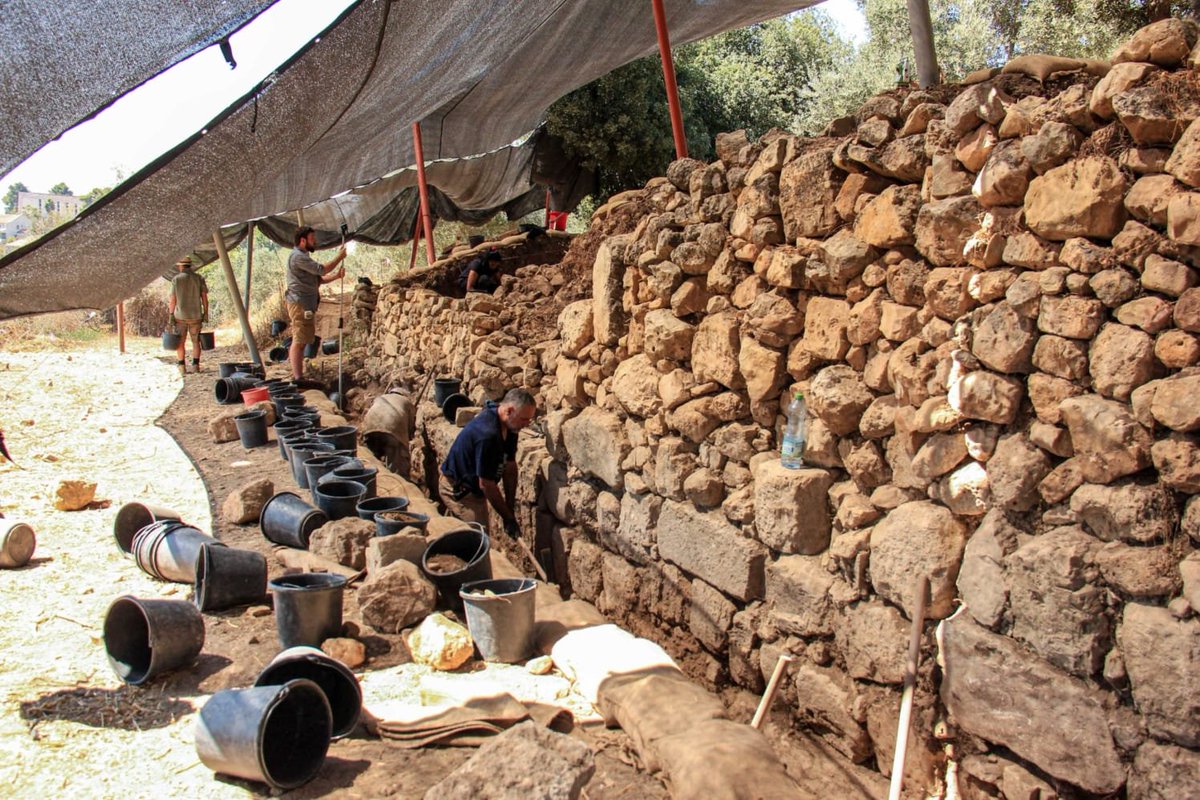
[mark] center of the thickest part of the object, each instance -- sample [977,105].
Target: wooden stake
[121,326]
[910,680]
[764,705]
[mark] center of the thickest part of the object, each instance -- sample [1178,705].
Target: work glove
[512,528]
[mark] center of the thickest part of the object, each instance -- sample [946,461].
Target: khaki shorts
[303,330]
[188,327]
[469,508]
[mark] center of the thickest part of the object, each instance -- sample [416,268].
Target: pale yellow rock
[540,665]
[441,643]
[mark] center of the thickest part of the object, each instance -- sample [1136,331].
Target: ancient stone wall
[989,295]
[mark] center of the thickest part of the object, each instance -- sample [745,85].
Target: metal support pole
[922,33]
[664,50]
[249,262]
[121,326]
[547,223]
[910,680]
[423,189]
[247,334]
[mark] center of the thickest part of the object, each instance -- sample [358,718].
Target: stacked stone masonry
[990,295]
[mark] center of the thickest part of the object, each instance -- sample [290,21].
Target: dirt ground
[68,727]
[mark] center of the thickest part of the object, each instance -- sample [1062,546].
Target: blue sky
[158,115]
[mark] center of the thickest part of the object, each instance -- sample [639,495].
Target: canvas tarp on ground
[338,115]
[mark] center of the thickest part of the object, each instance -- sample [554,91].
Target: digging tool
[768,697]
[910,680]
[341,324]
[536,566]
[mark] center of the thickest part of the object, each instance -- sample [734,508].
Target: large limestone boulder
[839,397]
[945,226]
[1174,404]
[872,637]
[667,336]
[1083,197]
[1109,443]
[245,503]
[1003,339]
[981,583]
[799,597]
[396,597]
[1165,43]
[998,691]
[597,443]
[575,327]
[715,350]
[791,508]
[635,385]
[1131,512]
[890,218]
[825,334]
[808,187]
[1014,471]
[704,544]
[344,541]
[1120,360]
[1160,656]
[917,539]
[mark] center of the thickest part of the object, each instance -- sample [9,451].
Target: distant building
[49,205]
[13,226]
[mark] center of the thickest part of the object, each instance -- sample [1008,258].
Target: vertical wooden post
[249,263]
[416,238]
[664,50]
[922,33]
[247,334]
[121,326]
[547,222]
[423,189]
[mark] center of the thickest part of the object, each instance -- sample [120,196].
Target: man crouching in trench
[483,455]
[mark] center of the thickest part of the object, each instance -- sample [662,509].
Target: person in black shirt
[480,275]
[482,458]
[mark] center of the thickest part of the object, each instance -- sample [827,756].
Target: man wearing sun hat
[304,278]
[188,307]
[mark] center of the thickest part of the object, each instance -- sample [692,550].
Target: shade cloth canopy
[337,115]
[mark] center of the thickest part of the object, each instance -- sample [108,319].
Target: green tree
[10,197]
[95,194]
[60,188]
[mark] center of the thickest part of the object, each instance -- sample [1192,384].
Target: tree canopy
[10,197]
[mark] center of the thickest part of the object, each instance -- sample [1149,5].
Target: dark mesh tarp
[477,76]
[60,62]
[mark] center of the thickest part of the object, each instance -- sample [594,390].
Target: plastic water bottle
[792,452]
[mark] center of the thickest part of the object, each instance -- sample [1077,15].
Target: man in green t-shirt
[188,306]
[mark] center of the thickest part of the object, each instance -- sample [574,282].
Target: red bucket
[256,395]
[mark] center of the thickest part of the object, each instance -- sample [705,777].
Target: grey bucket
[252,428]
[308,607]
[168,550]
[286,440]
[228,577]
[132,517]
[146,637]
[298,453]
[278,735]
[289,520]
[338,683]
[342,437]
[501,624]
[318,465]
[472,546]
[17,543]
[171,340]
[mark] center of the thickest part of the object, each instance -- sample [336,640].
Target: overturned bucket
[132,517]
[278,735]
[145,637]
[440,561]
[335,679]
[288,520]
[168,550]
[17,543]
[501,623]
[308,608]
[228,577]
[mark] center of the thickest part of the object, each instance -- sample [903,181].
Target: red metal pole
[664,49]
[121,326]
[547,208]
[423,188]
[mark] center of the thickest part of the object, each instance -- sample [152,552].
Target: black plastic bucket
[368,506]
[472,546]
[277,354]
[168,550]
[282,388]
[290,438]
[329,347]
[317,466]
[313,348]
[364,475]
[335,679]
[227,577]
[228,391]
[342,437]
[146,637]
[278,326]
[252,428]
[208,340]
[338,499]
[285,401]
[288,520]
[170,340]
[410,519]
[278,735]
[226,368]
[132,517]
[308,608]
[444,387]
[501,623]
[299,453]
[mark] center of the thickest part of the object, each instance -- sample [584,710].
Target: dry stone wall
[989,294]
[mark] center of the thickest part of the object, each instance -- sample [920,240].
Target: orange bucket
[256,395]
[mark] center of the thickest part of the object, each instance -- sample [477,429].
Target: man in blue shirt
[483,456]
[304,278]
